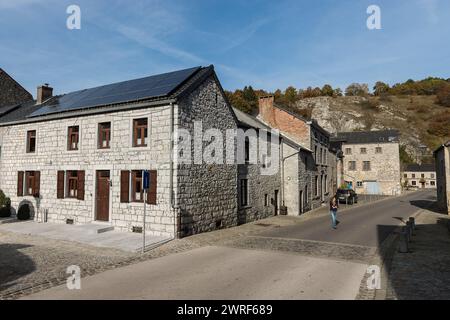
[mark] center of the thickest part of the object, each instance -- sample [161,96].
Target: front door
[301,202]
[102,195]
[276,202]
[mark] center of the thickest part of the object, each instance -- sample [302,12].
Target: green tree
[357,89]
[327,90]
[291,94]
[380,88]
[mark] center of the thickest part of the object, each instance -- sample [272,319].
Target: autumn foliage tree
[443,95]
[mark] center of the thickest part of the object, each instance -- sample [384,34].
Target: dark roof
[381,136]
[154,89]
[426,167]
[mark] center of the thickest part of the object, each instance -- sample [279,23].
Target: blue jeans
[333,218]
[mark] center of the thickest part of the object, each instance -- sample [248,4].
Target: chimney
[44,93]
[266,110]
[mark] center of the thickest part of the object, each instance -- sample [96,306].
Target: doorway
[275,200]
[102,196]
[301,202]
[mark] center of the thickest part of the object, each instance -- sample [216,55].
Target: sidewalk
[424,273]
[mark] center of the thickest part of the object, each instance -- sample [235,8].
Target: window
[352,165]
[320,155]
[140,132]
[244,192]
[348,151]
[266,200]
[359,184]
[414,183]
[422,175]
[73,138]
[413,175]
[32,183]
[315,154]
[316,192]
[325,156]
[31,141]
[405,175]
[432,176]
[137,191]
[432,183]
[326,184]
[247,150]
[72,184]
[366,165]
[104,135]
[378,150]
[363,150]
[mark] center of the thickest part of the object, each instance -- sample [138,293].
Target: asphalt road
[366,225]
[215,272]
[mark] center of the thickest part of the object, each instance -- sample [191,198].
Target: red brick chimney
[266,110]
[44,93]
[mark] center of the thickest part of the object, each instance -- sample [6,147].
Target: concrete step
[95,228]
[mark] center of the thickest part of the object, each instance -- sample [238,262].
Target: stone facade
[207,194]
[442,158]
[11,92]
[382,172]
[204,196]
[420,178]
[313,172]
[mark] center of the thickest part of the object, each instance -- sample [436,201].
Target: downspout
[171,191]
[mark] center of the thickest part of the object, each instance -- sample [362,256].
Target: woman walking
[333,211]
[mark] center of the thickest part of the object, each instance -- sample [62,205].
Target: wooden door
[102,196]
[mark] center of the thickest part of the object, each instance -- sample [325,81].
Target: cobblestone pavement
[423,273]
[29,264]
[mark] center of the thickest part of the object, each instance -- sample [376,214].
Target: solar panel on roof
[138,89]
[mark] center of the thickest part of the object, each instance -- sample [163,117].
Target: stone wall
[442,158]
[11,92]
[207,193]
[385,167]
[52,155]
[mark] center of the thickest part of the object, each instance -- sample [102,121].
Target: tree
[327,90]
[357,89]
[337,92]
[443,95]
[291,94]
[380,88]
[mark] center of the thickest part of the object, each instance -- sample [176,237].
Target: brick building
[316,174]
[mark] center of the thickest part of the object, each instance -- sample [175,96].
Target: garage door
[372,187]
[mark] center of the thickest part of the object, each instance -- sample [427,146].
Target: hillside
[418,118]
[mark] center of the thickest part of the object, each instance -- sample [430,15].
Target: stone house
[442,158]
[317,172]
[371,161]
[79,157]
[422,176]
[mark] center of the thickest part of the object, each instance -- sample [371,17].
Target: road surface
[214,272]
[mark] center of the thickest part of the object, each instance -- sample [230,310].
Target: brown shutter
[60,185]
[20,184]
[80,191]
[37,183]
[124,186]
[151,195]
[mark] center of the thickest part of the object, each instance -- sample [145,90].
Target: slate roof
[157,89]
[420,167]
[360,137]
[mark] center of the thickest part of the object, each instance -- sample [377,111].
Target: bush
[4,200]
[5,212]
[443,96]
[24,212]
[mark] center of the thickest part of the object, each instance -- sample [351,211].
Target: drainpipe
[171,191]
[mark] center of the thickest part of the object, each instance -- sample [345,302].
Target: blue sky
[266,44]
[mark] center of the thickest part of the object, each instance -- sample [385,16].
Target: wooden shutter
[20,184]
[80,191]
[152,192]
[124,186]
[37,183]
[60,185]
